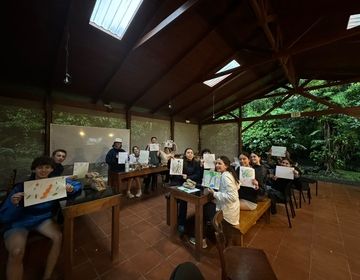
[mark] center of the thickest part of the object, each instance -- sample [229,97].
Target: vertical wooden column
[48,108]
[199,132]
[128,125]
[172,128]
[240,143]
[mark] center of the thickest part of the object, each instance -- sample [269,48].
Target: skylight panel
[231,65]
[354,20]
[114,16]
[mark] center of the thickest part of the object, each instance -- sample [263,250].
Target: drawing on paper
[247,175]
[80,169]
[44,190]
[211,179]
[176,166]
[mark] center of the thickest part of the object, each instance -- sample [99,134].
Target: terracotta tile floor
[324,242]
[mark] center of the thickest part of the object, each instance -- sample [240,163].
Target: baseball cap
[119,140]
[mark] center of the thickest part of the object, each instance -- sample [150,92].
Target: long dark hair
[186,161]
[229,168]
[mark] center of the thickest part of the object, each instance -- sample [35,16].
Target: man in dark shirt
[154,160]
[58,156]
[112,156]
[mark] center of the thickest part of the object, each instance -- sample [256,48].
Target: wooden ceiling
[277,43]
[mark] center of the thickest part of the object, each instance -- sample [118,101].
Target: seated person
[165,156]
[247,195]
[261,174]
[277,191]
[191,170]
[58,156]
[19,220]
[227,198]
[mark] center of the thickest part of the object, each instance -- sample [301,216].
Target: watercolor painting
[44,190]
[176,166]
[211,179]
[247,174]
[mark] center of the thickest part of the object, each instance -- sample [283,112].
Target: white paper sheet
[187,190]
[209,161]
[176,166]
[80,169]
[278,151]
[123,157]
[44,190]
[154,147]
[211,179]
[144,157]
[168,143]
[247,175]
[284,172]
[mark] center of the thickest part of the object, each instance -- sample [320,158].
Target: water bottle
[127,166]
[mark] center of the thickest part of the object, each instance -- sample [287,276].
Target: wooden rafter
[117,68]
[351,111]
[167,21]
[276,105]
[260,10]
[318,99]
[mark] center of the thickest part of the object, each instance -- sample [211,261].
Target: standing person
[134,159]
[58,156]
[227,198]
[154,161]
[192,171]
[247,195]
[18,221]
[113,156]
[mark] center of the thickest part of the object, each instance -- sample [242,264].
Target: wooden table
[116,178]
[87,202]
[199,199]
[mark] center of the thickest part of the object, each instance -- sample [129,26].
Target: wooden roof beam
[276,105]
[167,21]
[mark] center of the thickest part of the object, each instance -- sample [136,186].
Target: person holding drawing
[58,156]
[247,194]
[227,198]
[19,220]
[154,160]
[112,157]
[134,159]
[192,171]
[261,174]
[277,191]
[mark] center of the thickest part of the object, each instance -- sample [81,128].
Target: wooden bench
[249,218]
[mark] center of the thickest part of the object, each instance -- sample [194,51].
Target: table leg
[173,215]
[115,233]
[68,246]
[198,230]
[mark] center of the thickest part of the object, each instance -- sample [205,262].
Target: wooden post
[240,143]
[48,108]
[172,128]
[199,132]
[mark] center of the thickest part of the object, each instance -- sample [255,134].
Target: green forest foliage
[331,141]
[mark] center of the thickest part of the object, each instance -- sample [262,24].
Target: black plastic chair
[186,271]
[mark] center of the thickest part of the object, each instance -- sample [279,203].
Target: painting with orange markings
[44,190]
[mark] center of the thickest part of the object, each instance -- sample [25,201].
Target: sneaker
[138,194]
[130,195]
[181,229]
[193,241]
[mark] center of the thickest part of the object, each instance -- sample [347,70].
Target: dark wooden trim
[172,128]
[48,109]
